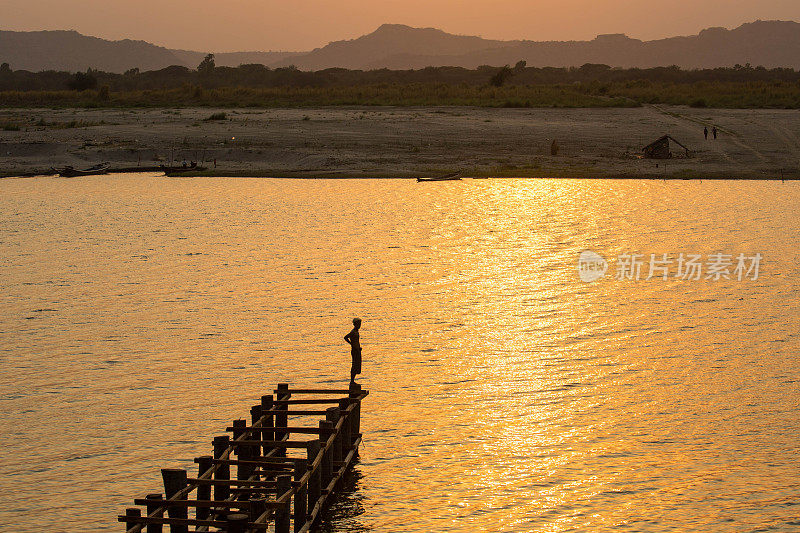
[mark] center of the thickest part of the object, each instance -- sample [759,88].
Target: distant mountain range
[769,44]
[761,43]
[70,50]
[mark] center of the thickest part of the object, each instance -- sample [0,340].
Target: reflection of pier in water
[278,481]
[344,512]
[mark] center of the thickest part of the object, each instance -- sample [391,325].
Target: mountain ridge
[763,43]
[399,47]
[73,51]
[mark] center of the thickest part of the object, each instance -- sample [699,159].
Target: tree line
[210,76]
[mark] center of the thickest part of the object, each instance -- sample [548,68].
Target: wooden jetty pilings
[258,478]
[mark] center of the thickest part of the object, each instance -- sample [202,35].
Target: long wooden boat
[447,177]
[96,170]
[178,171]
[184,166]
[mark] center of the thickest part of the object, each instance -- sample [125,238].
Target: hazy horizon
[302,26]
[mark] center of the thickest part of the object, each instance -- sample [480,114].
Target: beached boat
[185,166]
[177,171]
[170,170]
[95,170]
[447,177]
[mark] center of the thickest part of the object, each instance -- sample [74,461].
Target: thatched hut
[661,149]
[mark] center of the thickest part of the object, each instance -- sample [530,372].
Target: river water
[141,314]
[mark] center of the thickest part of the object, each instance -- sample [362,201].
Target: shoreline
[365,142]
[263,174]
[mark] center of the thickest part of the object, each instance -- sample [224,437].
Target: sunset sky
[305,24]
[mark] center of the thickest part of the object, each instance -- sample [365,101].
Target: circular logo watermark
[591,266]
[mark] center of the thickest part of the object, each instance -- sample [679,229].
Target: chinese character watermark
[692,267]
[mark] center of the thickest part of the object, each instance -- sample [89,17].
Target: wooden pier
[278,483]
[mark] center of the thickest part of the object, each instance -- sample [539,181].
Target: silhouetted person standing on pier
[353,340]
[714,132]
[705,132]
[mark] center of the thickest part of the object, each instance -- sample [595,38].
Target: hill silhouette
[769,44]
[761,43]
[72,51]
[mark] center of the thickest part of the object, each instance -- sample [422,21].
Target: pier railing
[278,481]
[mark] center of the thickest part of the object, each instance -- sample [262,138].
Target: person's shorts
[356,361]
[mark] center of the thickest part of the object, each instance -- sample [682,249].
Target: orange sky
[226,25]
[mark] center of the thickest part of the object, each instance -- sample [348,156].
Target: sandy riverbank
[406,142]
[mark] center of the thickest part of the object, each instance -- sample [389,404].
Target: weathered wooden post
[151,507]
[258,506]
[238,429]
[243,472]
[355,393]
[267,434]
[301,496]
[132,512]
[332,415]
[175,480]
[236,523]
[222,491]
[282,420]
[327,467]
[255,416]
[351,422]
[315,480]
[203,490]
[282,516]
[347,441]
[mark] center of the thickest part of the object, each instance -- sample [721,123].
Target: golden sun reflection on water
[507,395]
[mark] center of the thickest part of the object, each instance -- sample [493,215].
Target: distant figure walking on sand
[714,132]
[353,340]
[705,132]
